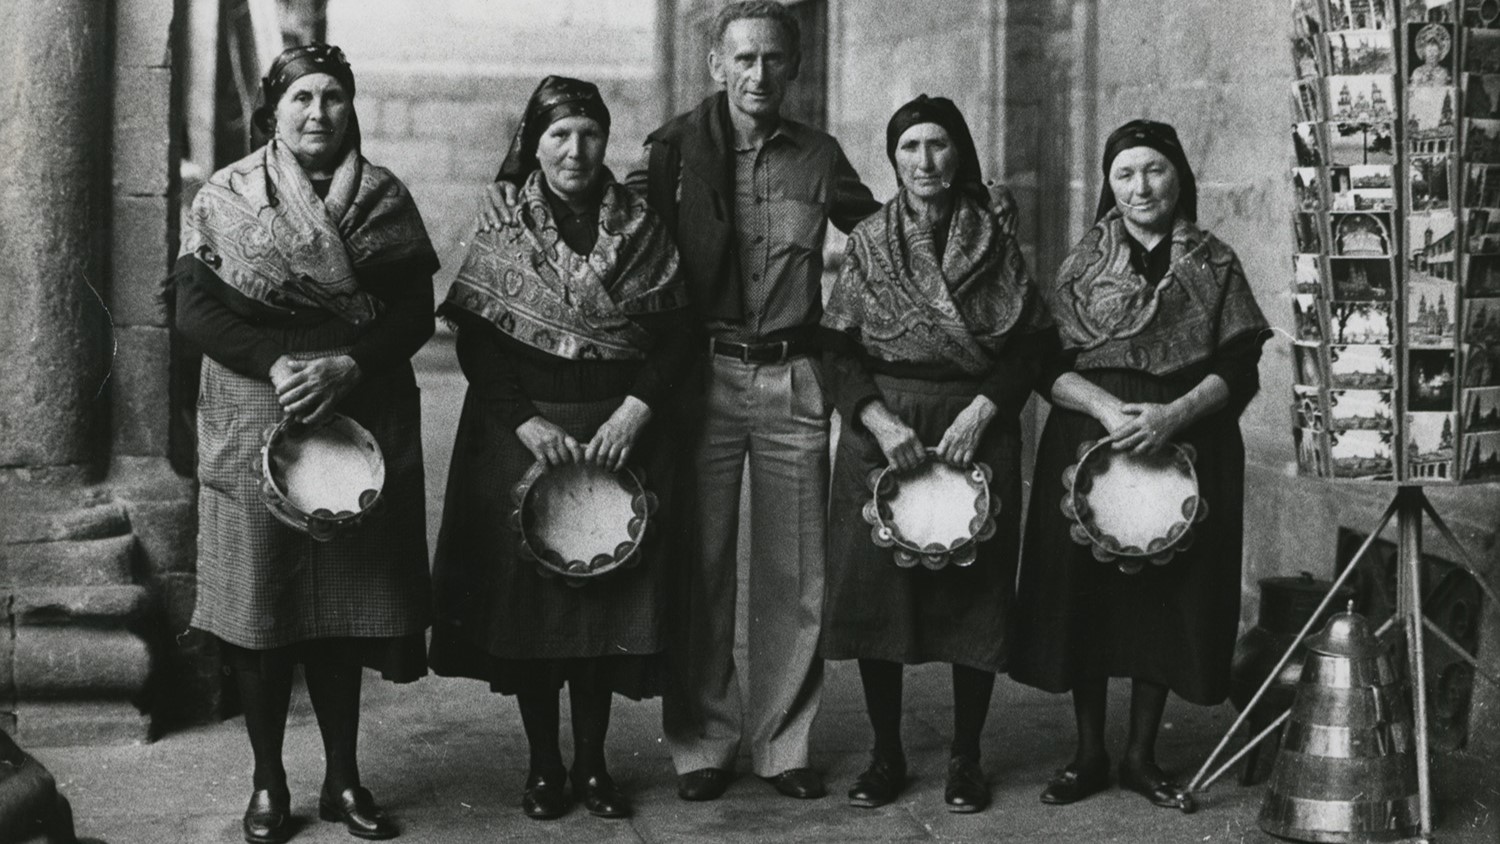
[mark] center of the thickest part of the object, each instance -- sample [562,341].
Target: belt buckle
[786,348]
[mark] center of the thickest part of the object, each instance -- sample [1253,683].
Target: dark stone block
[142,33]
[95,606]
[167,534]
[143,134]
[140,257]
[141,403]
[92,562]
[42,524]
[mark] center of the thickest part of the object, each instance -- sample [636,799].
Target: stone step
[23,524]
[85,562]
[51,662]
[69,724]
[107,606]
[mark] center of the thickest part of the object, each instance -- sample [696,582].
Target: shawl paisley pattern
[262,229]
[527,282]
[1116,320]
[904,302]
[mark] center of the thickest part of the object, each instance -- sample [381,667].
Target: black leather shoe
[546,796]
[267,818]
[601,797]
[1158,789]
[703,784]
[879,784]
[801,783]
[1073,783]
[357,810]
[967,791]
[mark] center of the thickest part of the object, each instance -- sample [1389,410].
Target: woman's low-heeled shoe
[267,819]
[967,791]
[357,810]
[546,795]
[601,797]
[879,784]
[1161,792]
[1073,783]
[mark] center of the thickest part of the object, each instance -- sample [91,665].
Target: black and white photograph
[1430,380]
[1359,323]
[1431,48]
[1361,367]
[678,421]
[1361,235]
[1481,365]
[1361,454]
[1360,99]
[1481,410]
[1430,446]
[1431,312]
[1481,457]
[1361,142]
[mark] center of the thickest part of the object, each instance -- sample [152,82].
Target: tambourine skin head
[555,505]
[914,512]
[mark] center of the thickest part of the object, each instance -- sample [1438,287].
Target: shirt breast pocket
[798,224]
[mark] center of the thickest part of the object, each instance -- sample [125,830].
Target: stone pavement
[447,758]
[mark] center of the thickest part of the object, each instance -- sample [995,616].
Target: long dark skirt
[1175,624]
[263,585]
[874,609]
[498,618]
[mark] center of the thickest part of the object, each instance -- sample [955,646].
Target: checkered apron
[264,585]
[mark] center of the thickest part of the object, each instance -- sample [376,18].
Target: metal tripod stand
[1408,509]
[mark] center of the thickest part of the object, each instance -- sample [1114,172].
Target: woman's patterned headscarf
[557,97]
[1162,138]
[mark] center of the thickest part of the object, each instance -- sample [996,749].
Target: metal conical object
[1347,770]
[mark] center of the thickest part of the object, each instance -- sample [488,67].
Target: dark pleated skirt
[500,620]
[873,609]
[1173,624]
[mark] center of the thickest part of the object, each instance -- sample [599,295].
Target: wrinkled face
[1145,187]
[571,152]
[926,161]
[754,63]
[312,118]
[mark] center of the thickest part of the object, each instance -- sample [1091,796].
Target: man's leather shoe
[357,810]
[1158,789]
[879,784]
[601,797]
[967,791]
[703,784]
[1073,783]
[801,783]
[268,818]
[546,796]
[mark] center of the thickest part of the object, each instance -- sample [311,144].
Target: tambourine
[1133,509]
[579,521]
[935,514]
[321,480]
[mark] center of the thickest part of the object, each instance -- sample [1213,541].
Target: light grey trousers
[776,417]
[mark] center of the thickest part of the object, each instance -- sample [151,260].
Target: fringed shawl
[527,282]
[902,303]
[1116,320]
[262,229]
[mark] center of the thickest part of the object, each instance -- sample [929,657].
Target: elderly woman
[568,334]
[306,279]
[1161,337]
[936,334]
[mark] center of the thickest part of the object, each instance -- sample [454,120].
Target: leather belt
[776,351]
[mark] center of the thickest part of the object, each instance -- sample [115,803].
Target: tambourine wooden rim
[1094,459]
[577,572]
[322,525]
[885,532]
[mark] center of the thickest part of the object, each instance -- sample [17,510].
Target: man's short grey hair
[752,9]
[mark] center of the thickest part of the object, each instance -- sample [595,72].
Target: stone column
[55,336]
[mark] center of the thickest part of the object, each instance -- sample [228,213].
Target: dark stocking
[1089,698]
[590,725]
[539,718]
[334,676]
[882,684]
[264,680]
[1148,701]
[971,704]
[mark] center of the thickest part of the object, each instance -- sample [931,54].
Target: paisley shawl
[902,303]
[1116,320]
[527,282]
[262,229]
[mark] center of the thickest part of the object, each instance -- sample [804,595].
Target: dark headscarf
[293,64]
[943,112]
[557,97]
[1162,138]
